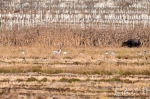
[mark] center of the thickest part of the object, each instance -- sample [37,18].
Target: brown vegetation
[91,61]
[124,4]
[71,37]
[91,74]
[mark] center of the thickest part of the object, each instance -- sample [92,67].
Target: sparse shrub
[67,57]
[43,80]
[69,80]
[31,79]
[88,79]
[53,80]
[58,71]
[127,81]
[36,69]
[77,63]
[119,57]
[5,80]
[114,79]
[19,80]
[110,80]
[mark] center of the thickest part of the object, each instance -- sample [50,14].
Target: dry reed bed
[71,37]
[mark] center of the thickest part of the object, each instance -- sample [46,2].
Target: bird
[80,53]
[106,53]
[112,53]
[57,52]
[144,52]
[23,53]
[139,53]
[64,53]
[144,55]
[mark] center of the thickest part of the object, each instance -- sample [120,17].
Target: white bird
[144,55]
[106,53]
[23,53]
[57,52]
[80,53]
[112,52]
[139,53]
[144,52]
[64,53]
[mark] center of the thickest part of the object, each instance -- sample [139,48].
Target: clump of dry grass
[69,80]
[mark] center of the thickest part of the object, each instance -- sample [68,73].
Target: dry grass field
[92,64]
[77,60]
[82,73]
